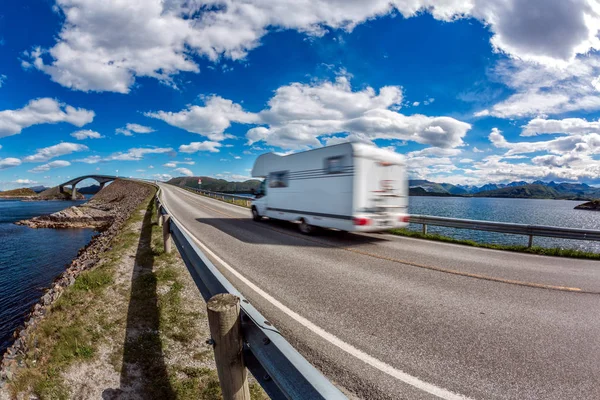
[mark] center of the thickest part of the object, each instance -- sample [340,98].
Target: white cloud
[25,182]
[57,150]
[9,162]
[299,114]
[581,144]
[237,157]
[194,147]
[130,129]
[174,164]
[162,177]
[42,111]
[50,165]
[435,151]
[541,90]
[184,171]
[476,150]
[136,154]
[86,134]
[416,103]
[2,80]
[539,126]
[210,120]
[90,160]
[466,161]
[105,45]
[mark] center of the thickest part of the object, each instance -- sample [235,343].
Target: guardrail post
[159,219]
[530,241]
[226,331]
[167,233]
[424,229]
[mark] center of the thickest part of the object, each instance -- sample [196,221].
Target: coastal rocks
[593,205]
[109,209]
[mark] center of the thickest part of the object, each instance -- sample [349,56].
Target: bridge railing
[277,366]
[530,231]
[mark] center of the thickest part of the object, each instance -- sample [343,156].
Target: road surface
[387,317]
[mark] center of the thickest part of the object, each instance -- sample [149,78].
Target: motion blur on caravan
[349,187]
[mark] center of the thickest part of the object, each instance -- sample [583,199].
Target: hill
[23,192]
[55,194]
[419,191]
[216,185]
[530,191]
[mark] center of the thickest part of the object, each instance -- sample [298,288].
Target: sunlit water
[522,211]
[30,259]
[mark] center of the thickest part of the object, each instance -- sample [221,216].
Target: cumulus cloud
[195,147]
[86,134]
[25,182]
[540,126]
[184,171]
[50,165]
[541,90]
[136,154]
[582,144]
[42,111]
[9,162]
[174,164]
[89,160]
[210,120]
[105,45]
[57,150]
[162,177]
[299,114]
[130,129]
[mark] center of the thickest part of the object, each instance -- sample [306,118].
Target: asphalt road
[418,319]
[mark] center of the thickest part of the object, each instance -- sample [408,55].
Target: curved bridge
[101,179]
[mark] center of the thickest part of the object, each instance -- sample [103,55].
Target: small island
[593,205]
[23,193]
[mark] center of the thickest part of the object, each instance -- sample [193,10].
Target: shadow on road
[143,373]
[272,231]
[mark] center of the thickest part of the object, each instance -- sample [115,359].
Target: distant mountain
[517,189]
[38,189]
[93,189]
[216,185]
[523,191]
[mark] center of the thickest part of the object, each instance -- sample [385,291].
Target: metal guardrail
[222,196]
[277,366]
[504,227]
[490,226]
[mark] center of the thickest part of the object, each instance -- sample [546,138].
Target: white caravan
[350,187]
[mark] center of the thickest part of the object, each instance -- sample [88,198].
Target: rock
[593,205]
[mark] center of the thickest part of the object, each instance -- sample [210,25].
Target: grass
[556,252]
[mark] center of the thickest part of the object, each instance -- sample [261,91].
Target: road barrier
[490,226]
[223,196]
[504,227]
[277,366]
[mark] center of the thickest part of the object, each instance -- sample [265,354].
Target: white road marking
[348,348]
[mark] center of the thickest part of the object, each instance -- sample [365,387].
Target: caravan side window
[333,165]
[278,179]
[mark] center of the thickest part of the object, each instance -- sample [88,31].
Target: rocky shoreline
[107,212]
[593,205]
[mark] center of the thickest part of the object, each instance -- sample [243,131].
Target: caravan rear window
[333,165]
[278,179]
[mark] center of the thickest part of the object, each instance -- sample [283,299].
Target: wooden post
[424,229]
[530,241]
[226,332]
[159,219]
[167,233]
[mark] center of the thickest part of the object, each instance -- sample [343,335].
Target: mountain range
[517,189]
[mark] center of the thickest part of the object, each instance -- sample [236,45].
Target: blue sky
[470,93]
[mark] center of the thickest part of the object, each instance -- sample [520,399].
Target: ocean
[522,211]
[30,259]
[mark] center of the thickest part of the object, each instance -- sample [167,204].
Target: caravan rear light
[361,221]
[405,218]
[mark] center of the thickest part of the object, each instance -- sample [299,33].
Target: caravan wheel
[305,228]
[255,215]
